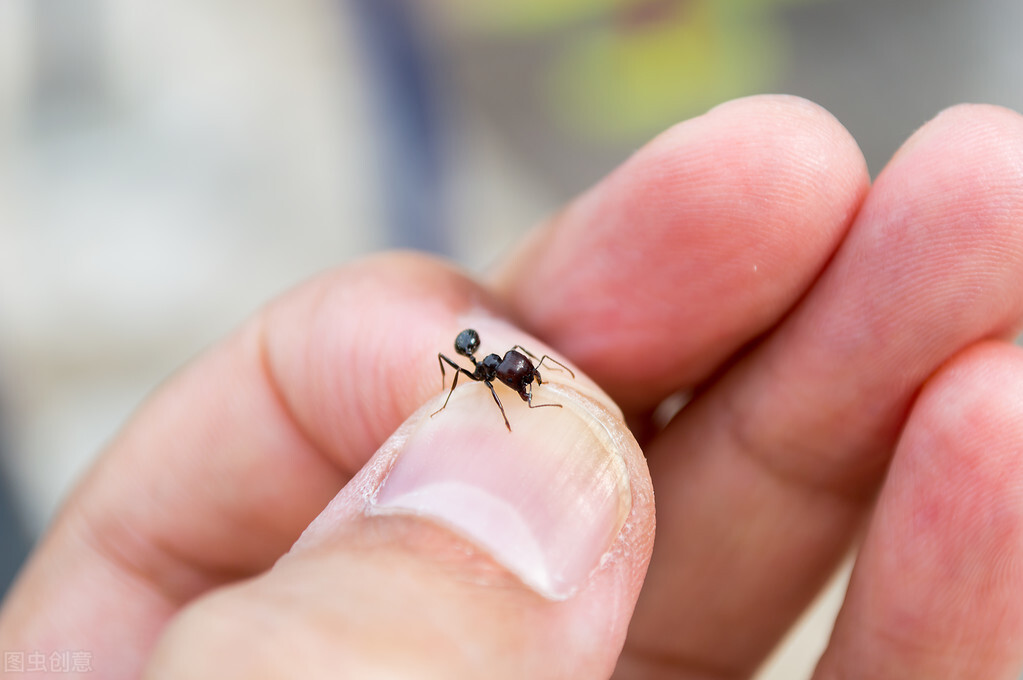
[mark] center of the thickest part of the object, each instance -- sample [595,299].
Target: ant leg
[555,361]
[454,384]
[545,357]
[525,351]
[499,405]
[441,364]
[529,400]
[440,361]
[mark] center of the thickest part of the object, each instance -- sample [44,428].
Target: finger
[937,591]
[462,550]
[696,245]
[219,473]
[763,479]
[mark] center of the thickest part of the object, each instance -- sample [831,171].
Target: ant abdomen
[515,370]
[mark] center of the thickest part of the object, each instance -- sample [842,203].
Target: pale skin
[849,347]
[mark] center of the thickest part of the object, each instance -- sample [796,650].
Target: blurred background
[165,167]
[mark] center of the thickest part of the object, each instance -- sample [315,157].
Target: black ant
[514,370]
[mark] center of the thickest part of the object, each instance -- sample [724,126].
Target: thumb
[461,550]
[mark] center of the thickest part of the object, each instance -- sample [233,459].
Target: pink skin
[824,325]
[936,590]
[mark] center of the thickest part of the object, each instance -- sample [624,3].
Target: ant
[514,370]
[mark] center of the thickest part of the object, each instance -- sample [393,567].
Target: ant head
[467,342]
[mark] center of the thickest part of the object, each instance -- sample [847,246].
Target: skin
[847,349]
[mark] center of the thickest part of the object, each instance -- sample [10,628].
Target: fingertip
[782,147]
[983,381]
[977,127]
[554,520]
[961,449]
[789,124]
[997,119]
[696,244]
[936,589]
[958,461]
[555,499]
[961,171]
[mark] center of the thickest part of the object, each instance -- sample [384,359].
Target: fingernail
[545,500]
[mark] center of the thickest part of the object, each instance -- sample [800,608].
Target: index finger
[698,244]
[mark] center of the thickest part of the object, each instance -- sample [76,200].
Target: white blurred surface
[209,166]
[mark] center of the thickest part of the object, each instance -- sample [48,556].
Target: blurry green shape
[624,82]
[623,69]
[531,16]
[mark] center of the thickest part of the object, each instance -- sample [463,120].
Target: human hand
[846,347]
